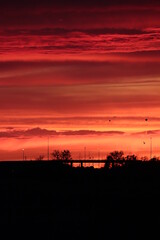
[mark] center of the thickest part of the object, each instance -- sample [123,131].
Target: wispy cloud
[147,132]
[38,132]
[51,73]
[72,42]
[41,132]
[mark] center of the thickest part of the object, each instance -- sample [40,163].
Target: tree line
[112,156]
[64,155]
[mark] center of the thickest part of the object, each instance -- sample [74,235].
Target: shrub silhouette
[144,158]
[131,158]
[154,159]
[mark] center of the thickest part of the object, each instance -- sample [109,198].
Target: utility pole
[150,147]
[23,154]
[48,148]
[84,153]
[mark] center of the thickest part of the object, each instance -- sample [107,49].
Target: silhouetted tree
[66,155]
[154,159]
[131,157]
[56,155]
[61,155]
[113,156]
[116,155]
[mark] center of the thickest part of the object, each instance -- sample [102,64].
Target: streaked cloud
[38,132]
[48,43]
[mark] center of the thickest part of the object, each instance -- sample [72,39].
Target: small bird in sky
[146,119]
[144,142]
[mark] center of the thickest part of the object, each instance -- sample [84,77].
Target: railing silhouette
[82,162]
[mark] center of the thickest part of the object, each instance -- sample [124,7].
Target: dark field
[48,200]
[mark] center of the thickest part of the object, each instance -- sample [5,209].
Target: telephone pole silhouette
[150,147]
[84,153]
[48,148]
[23,154]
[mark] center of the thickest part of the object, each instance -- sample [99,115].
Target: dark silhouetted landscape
[52,200]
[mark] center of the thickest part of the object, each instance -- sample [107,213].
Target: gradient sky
[85,74]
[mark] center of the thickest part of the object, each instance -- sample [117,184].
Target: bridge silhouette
[82,162]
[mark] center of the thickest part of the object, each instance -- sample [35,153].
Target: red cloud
[38,132]
[90,42]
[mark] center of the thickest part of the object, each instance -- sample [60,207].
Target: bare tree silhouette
[56,155]
[66,155]
[116,155]
[61,155]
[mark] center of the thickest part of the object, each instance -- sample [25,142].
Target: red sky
[66,69]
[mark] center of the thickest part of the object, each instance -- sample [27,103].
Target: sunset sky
[82,74]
